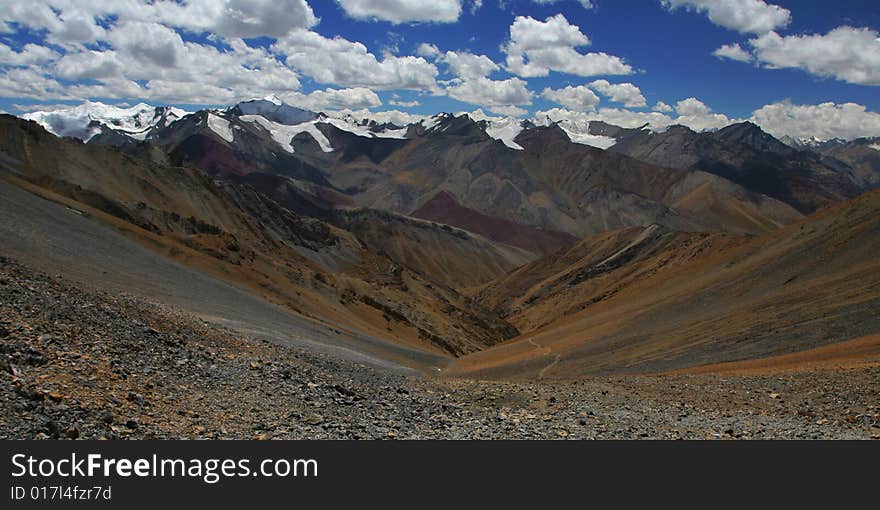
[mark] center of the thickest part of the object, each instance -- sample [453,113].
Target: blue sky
[672,51]
[792,58]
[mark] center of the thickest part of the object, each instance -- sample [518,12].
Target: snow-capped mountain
[810,142]
[505,129]
[283,122]
[275,110]
[90,119]
[578,132]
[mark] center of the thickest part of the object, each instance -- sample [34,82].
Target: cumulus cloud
[823,121]
[427,50]
[733,52]
[75,21]
[493,93]
[698,116]
[537,47]
[350,64]
[468,66]
[846,53]
[578,98]
[358,98]
[134,49]
[30,54]
[662,107]
[404,104]
[167,68]
[744,16]
[403,11]
[626,93]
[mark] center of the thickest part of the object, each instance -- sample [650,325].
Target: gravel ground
[84,364]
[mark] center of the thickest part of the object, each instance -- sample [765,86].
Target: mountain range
[509,247]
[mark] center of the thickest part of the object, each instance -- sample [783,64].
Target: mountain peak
[750,134]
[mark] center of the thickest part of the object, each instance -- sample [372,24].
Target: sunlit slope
[685,300]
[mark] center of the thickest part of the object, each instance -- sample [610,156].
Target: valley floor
[82,363]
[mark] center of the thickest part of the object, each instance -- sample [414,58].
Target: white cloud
[32,84]
[90,65]
[349,64]
[492,93]
[358,98]
[626,93]
[74,21]
[744,16]
[846,53]
[404,104]
[148,44]
[733,52]
[467,65]
[578,98]
[253,18]
[403,11]
[30,54]
[662,107]
[696,115]
[427,50]
[537,47]
[173,70]
[824,121]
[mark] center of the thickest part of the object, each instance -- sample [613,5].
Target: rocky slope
[312,267]
[110,365]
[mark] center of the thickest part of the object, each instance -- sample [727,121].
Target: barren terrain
[86,364]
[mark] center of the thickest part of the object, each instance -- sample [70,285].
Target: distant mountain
[91,120]
[745,154]
[861,155]
[275,110]
[543,177]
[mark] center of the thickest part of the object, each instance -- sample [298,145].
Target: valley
[455,277]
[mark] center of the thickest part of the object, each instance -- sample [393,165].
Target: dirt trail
[545,351]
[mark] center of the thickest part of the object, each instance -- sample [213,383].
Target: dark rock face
[444,208]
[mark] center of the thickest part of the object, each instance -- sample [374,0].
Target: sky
[801,68]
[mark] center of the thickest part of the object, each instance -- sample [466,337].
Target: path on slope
[59,240]
[545,351]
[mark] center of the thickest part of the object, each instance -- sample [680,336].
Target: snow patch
[220,126]
[283,134]
[505,129]
[579,132]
